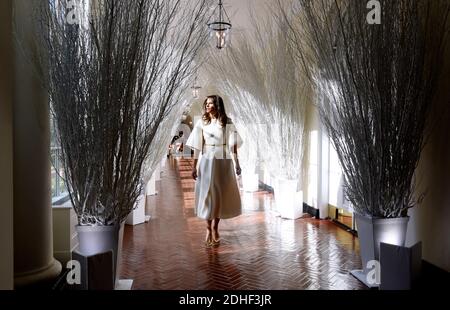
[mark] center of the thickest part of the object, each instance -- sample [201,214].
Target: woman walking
[217,196]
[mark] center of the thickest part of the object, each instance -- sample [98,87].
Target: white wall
[430,222]
[310,191]
[6,160]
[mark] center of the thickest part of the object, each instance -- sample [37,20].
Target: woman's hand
[238,170]
[236,161]
[194,168]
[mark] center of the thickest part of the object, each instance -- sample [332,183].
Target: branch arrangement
[116,85]
[378,82]
[259,74]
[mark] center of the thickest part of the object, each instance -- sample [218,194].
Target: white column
[33,243]
[323,172]
[6,148]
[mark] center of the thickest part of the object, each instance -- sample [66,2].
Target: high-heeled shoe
[215,238]
[208,239]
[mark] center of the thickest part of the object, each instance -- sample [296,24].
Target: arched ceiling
[239,13]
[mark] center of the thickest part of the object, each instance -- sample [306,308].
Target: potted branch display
[116,73]
[379,82]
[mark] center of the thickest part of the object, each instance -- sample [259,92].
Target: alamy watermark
[77,13]
[373,277]
[74,11]
[74,275]
[374,15]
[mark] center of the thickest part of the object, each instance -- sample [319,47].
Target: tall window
[313,171]
[334,166]
[74,12]
[334,173]
[59,188]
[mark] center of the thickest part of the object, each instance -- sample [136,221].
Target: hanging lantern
[220,29]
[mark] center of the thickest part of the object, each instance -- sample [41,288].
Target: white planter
[249,202]
[267,178]
[158,173]
[150,189]
[373,231]
[137,216]
[288,200]
[250,182]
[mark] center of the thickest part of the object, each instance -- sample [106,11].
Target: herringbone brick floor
[259,251]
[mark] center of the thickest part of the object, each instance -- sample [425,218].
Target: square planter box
[96,271]
[400,266]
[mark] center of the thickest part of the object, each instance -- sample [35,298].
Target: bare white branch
[379,82]
[258,72]
[117,83]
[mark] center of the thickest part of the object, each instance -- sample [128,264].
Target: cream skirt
[216,191]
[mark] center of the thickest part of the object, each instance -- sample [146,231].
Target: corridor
[259,251]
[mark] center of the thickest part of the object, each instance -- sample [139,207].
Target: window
[313,171]
[59,188]
[334,176]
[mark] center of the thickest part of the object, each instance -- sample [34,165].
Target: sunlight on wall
[334,174]
[313,169]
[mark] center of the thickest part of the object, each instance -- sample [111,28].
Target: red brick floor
[258,251]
